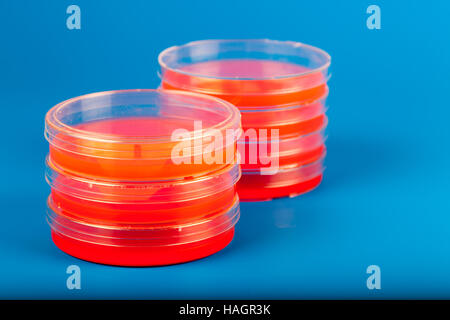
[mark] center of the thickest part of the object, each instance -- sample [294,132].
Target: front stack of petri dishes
[280,88]
[125,186]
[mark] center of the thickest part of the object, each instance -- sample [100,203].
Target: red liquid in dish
[250,188]
[136,256]
[280,85]
[130,160]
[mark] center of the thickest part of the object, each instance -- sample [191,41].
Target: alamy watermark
[73,282]
[374,280]
[374,20]
[212,146]
[74,20]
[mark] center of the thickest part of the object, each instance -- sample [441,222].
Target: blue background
[385,197]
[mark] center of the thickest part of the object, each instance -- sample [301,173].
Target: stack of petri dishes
[280,87]
[122,194]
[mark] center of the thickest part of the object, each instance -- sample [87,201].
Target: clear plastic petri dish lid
[142,134]
[248,73]
[144,235]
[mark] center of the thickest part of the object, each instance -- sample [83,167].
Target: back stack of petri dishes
[280,88]
[122,193]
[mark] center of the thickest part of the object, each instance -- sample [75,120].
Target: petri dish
[133,134]
[144,245]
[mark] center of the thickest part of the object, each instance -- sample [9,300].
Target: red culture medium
[117,194]
[278,85]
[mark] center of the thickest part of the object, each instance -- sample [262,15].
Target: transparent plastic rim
[54,126]
[322,127]
[184,189]
[159,235]
[302,143]
[309,170]
[285,107]
[167,53]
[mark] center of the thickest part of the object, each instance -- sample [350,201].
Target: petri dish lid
[244,67]
[82,117]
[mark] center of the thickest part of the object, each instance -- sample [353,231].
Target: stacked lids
[280,87]
[142,177]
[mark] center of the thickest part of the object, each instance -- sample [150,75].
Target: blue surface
[385,197]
